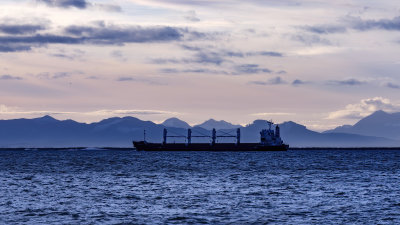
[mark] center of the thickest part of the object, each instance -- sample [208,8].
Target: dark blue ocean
[128,187]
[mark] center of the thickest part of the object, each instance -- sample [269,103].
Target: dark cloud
[98,35]
[120,35]
[348,82]
[198,58]
[392,85]
[40,39]
[9,77]
[250,69]
[298,82]
[355,23]
[5,47]
[383,24]
[207,56]
[80,4]
[20,29]
[272,81]
[273,54]
[325,29]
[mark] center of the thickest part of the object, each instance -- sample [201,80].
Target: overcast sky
[318,63]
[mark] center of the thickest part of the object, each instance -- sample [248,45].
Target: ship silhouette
[270,140]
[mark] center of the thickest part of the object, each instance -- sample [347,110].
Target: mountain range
[380,129]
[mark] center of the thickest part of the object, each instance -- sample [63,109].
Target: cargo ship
[270,140]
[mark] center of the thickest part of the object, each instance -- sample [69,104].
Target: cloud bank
[364,108]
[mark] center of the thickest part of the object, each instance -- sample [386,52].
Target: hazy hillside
[119,132]
[379,124]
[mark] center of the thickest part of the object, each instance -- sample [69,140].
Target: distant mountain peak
[175,122]
[378,124]
[379,112]
[46,118]
[221,124]
[292,125]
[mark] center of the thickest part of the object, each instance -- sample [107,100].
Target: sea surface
[129,187]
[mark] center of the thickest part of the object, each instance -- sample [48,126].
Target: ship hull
[243,147]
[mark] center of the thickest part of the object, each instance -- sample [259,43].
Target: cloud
[140,80]
[310,39]
[265,53]
[20,29]
[14,48]
[242,69]
[107,7]
[195,70]
[120,35]
[206,58]
[125,79]
[325,29]
[220,57]
[75,54]
[169,70]
[246,54]
[272,81]
[198,58]
[364,108]
[92,78]
[348,82]
[8,110]
[231,53]
[392,85]
[119,56]
[250,69]
[98,35]
[191,16]
[124,112]
[298,82]
[355,23]
[281,72]
[9,77]
[80,4]
[56,75]
[382,24]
